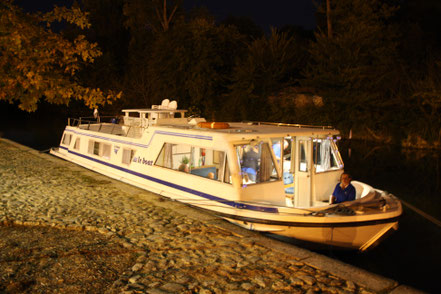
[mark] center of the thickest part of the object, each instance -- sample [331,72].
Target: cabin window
[99,149]
[282,152]
[66,139]
[303,161]
[326,155]
[227,174]
[256,163]
[90,147]
[96,148]
[127,155]
[203,162]
[93,147]
[106,151]
[276,144]
[77,144]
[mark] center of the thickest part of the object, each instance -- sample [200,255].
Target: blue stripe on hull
[178,187]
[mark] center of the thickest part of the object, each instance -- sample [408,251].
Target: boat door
[303,171]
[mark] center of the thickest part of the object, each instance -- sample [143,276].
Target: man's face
[345,179]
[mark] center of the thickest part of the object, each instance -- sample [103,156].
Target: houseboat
[268,177]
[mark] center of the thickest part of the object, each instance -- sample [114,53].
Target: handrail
[87,122]
[291,125]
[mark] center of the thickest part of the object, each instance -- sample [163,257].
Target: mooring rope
[422,213]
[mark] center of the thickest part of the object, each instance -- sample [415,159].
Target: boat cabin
[309,166]
[275,164]
[165,113]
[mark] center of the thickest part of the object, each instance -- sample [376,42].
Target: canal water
[411,256]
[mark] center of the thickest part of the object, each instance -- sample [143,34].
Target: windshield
[326,155]
[256,163]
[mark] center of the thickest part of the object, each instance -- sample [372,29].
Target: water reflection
[412,175]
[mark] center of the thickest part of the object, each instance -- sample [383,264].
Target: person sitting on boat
[344,191]
[250,162]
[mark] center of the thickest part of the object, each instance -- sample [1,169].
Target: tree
[356,71]
[266,68]
[245,25]
[38,63]
[154,15]
[192,62]
[427,95]
[420,49]
[328,18]
[147,22]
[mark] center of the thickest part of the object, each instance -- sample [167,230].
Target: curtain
[266,166]
[325,154]
[168,158]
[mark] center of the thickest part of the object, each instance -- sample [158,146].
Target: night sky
[276,13]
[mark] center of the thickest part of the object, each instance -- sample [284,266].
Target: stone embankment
[180,249]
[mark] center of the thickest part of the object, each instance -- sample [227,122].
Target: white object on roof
[173,105]
[164,104]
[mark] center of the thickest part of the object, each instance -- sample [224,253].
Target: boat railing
[290,125]
[90,120]
[106,124]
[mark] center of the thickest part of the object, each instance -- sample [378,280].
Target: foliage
[356,70]
[191,63]
[266,67]
[154,15]
[146,22]
[297,105]
[37,63]
[185,160]
[427,93]
[246,26]
[380,71]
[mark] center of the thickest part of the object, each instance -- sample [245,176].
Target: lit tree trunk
[164,19]
[328,18]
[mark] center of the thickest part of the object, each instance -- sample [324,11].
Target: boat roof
[251,129]
[153,110]
[236,129]
[279,128]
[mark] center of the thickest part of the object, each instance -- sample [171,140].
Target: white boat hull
[358,232]
[355,236]
[135,154]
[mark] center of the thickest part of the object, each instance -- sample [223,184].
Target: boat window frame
[99,148]
[64,139]
[219,164]
[247,181]
[77,143]
[106,150]
[132,155]
[96,148]
[334,152]
[303,161]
